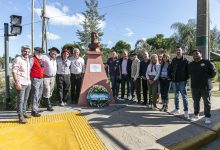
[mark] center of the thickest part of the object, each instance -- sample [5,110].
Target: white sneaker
[175,112]
[65,103]
[207,120]
[195,118]
[61,104]
[186,114]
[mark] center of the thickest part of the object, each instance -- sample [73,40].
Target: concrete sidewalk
[128,125]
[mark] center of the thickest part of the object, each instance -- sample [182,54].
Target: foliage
[71,46]
[214,39]
[91,23]
[185,34]
[158,42]
[140,47]
[105,53]
[217,65]
[98,89]
[121,45]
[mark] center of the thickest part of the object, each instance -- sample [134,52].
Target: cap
[38,49]
[196,50]
[25,47]
[54,48]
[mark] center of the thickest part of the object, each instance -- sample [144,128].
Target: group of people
[156,74]
[39,73]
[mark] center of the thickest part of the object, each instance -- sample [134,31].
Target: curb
[197,141]
[194,142]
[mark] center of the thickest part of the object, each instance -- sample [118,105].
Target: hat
[196,50]
[54,48]
[65,50]
[133,53]
[25,47]
[38,49]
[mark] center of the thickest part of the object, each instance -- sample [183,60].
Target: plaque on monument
[95,68]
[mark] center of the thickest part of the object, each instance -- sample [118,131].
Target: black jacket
[143,67]
[178,70]
[201,73]
[129,63]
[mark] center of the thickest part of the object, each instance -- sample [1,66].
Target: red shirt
[37,71]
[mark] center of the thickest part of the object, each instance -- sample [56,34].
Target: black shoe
[35,114]
[143,103]
[166,108]
[50,109]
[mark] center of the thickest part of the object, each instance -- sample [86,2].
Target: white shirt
[50,65]
[21,67]
[77,66]
[153,70]
[63,66]
[124,66]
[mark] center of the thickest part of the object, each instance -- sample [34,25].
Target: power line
[117,4]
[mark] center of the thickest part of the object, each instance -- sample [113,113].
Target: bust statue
[94,45]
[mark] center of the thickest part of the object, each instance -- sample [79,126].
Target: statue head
[94,37]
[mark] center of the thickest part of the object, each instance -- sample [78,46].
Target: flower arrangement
[98,96]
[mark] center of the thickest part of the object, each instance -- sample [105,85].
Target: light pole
[202,34]
[16,29]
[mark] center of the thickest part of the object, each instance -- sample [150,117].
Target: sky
[128,20]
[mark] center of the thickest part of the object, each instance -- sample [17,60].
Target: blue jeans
[125,80]
[180,87]
[23,95]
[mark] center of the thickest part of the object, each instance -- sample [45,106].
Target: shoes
[35,114]
[26,115]
[22,120]
[50,109]
[163,107]
[65,103]
[195,118]
[154,107]
[143,103]
[175,112]
[62,104]
[207,120]
[186,115]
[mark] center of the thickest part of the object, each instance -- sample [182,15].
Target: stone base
[94,78]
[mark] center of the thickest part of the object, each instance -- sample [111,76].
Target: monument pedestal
[94,75]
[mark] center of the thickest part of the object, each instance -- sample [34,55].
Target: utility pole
[7,77]
[32,28]
[202,34]
[44,26]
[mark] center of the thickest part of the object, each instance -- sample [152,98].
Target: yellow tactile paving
[67,131]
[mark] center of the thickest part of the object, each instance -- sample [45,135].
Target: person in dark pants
[164,81]
[125,66]
[77,70]
[201,71]
[63,76]
[143,69]
[114,73]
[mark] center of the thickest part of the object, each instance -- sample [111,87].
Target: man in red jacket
[36,74]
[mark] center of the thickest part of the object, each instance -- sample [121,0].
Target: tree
[121,45]
[185,34]
[91,23]
[214,39]
[140,47]
[159,41]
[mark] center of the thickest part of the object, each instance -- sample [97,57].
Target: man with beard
[21,75]
[201,71]
[37,75]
